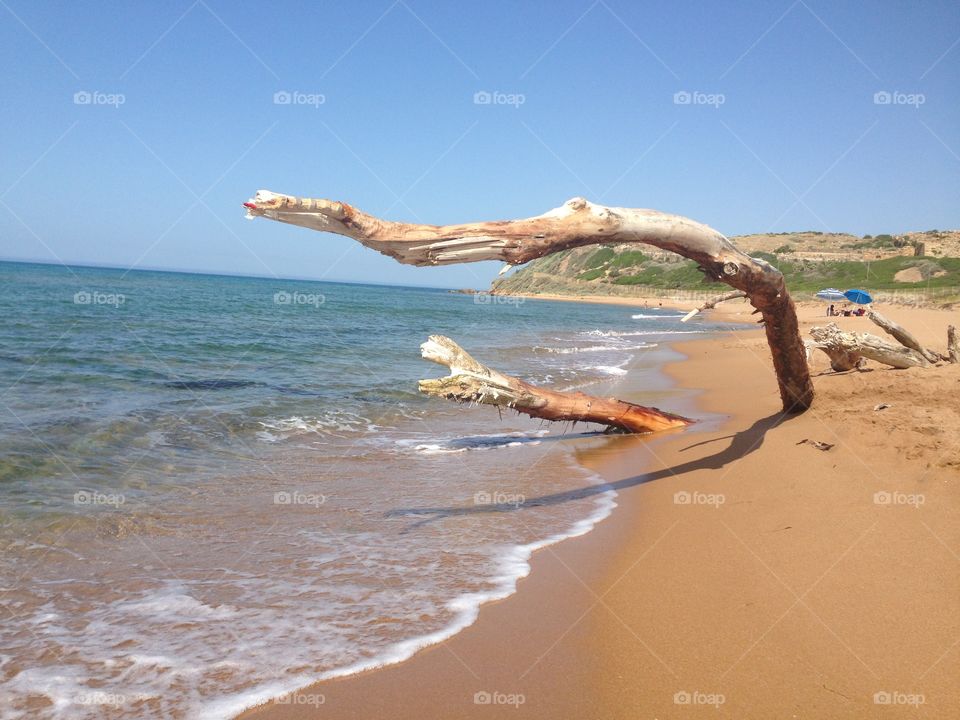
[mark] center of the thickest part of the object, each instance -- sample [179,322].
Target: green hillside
[624,270]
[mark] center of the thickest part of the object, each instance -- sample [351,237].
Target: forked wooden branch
[575,224]
[470,381]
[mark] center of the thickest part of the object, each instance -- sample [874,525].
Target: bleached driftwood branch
[711,304]
[732,295]
[470,381]
[903,336]
[841,358]
[575,224]
[845,349]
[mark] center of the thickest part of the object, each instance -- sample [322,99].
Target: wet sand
[745,573]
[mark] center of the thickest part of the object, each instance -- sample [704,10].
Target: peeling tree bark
[575,224]
[473,382]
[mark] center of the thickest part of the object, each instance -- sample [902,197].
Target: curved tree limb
[575,224]
[903,336]
[471,381]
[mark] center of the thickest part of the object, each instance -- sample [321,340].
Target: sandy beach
[639,301]
[687,300]
[745,573]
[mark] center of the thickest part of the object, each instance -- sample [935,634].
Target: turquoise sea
[214,490]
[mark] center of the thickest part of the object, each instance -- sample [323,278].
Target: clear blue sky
[799,141]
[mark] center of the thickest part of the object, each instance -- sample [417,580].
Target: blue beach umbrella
[831,295]
[860,297]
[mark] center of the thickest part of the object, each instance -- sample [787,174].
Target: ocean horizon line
[218,273]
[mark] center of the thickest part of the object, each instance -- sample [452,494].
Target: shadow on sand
[741,444]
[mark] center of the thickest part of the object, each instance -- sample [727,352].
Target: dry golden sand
[643,302]
[786,587]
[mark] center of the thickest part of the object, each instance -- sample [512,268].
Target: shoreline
[303,703]
[689,299]
[632,615]
[408,648]
[647,302]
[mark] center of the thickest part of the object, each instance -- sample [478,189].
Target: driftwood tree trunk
[953,347]
[842,358]
[845,349]
[471,381]
[575,224]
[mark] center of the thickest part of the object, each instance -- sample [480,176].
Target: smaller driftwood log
[903,336]
[470,381]
[846,348]
[953,347]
